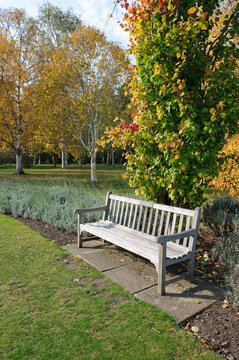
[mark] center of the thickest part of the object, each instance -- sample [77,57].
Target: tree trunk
[108,158]
[63,160]
[39,159]
[54,160]
[34,160]
[19,170]
[93,167]
[113,158]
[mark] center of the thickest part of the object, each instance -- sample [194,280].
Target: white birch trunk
[93,167]
[63,160]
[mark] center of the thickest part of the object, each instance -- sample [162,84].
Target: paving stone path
[183,299]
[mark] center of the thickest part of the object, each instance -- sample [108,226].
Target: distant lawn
[56,307]
[109,177]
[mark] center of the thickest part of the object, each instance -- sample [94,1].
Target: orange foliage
[228,179]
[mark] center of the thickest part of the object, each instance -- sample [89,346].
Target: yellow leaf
[202,26]
[197,302]
[225,306]
[192,10]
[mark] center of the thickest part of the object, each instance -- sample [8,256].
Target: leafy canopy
[185,90]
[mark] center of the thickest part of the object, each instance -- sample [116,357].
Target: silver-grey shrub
[222,217]
[49,202]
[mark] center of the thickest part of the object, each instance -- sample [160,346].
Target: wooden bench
[163,234]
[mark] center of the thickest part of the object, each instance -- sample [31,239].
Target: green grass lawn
[109,177]
[47,315]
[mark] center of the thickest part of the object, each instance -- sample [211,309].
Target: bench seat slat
[142,244]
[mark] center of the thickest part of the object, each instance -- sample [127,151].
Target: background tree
[21,54]
[56,24]
[81,87]
[186,92]
[96,87]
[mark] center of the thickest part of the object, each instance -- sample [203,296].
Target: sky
[91,12]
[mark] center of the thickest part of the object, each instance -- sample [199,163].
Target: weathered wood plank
[126,213]
[161,223]
[149,220]
[110,210]
[135,216]
[107,205]
[139,218]
[180,226]
[166,229]
[130,215]
[113,215]
[172,230]
[155,222]
[145,217]
[122,213]
[161,207]
[185,240]
[117,213]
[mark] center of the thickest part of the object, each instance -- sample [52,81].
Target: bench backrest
[151,218]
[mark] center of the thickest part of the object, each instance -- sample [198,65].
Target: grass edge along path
[55,307]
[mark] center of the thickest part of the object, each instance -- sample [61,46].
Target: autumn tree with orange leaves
[20,68]
[79,90]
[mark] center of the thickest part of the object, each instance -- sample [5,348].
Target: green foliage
[222,217]
[186,93]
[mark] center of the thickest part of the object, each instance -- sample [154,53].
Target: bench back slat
[161,223]
[150,218]
[135,216]
[122,212]
[155,222]
[185,240]
[130,215]
[126,213]
[140,216]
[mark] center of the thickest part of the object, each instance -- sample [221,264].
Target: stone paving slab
[101,257]
[182,300]
[134,277]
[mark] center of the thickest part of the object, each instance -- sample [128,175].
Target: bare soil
[217,326]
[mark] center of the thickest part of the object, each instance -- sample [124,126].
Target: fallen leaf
[197,302]
[225,306]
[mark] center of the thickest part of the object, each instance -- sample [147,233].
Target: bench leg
[162,269]
[79,236]
[191,265]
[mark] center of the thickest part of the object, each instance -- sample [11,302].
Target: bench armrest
[165,238]
[81,211]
